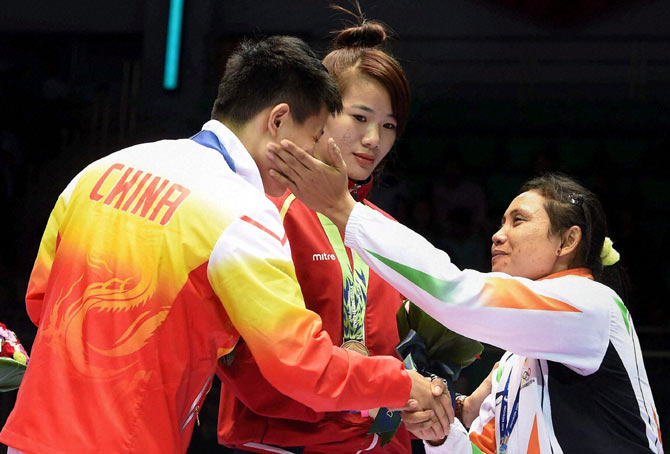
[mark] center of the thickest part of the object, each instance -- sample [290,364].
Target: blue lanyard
[208,139]
[505,426]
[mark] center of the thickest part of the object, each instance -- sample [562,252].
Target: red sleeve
[244,379]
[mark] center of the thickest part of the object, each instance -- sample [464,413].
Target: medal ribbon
[354,284]
[506,427]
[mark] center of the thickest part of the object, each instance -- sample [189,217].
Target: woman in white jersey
[572,379]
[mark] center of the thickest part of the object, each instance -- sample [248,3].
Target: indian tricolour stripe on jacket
[573,355]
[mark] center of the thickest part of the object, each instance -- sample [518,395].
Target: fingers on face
[295,155]
[283,168]
[336,156]
[282,179]
[282,157]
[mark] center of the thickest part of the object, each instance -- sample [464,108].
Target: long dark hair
[569,203]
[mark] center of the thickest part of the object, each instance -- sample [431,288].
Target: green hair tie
[608,255]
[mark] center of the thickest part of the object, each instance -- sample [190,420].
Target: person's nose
[499,237]
[371,137]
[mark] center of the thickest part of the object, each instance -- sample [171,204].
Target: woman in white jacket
[572,379]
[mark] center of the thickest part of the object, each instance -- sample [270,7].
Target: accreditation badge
[356,346]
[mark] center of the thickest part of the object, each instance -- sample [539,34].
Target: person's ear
[570,240]
[278,115]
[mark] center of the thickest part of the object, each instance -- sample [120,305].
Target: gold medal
[356,346]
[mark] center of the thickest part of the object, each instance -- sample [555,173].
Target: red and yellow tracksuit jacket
[154,262]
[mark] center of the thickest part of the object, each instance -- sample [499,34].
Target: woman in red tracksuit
[357,307]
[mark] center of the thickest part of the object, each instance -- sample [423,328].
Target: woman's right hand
[323,187]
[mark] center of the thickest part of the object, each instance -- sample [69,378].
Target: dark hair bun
[368,34]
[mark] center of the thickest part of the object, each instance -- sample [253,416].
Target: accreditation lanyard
[354,284]
[506,426]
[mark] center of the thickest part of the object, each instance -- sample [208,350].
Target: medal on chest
[354,290]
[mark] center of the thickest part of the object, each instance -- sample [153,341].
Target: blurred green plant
[11,373]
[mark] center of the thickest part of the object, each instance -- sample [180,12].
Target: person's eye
[360,118]
[518,220]
[389,126]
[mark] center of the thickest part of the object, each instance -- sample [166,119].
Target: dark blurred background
[502,90]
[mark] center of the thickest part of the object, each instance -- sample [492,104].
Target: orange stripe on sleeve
[511,294]
[658,427]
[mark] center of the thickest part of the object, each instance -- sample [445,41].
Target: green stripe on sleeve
[624,312]
[436,287]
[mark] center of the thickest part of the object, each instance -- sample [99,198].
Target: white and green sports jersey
[572,379]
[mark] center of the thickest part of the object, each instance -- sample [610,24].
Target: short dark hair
[569,203]
[270,71]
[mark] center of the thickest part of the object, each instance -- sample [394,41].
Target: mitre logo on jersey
[323,256]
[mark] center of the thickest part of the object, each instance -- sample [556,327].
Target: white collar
[245,166]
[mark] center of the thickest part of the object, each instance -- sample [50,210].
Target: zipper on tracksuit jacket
[195,406]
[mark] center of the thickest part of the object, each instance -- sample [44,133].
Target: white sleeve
[457,442]
[565,319]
